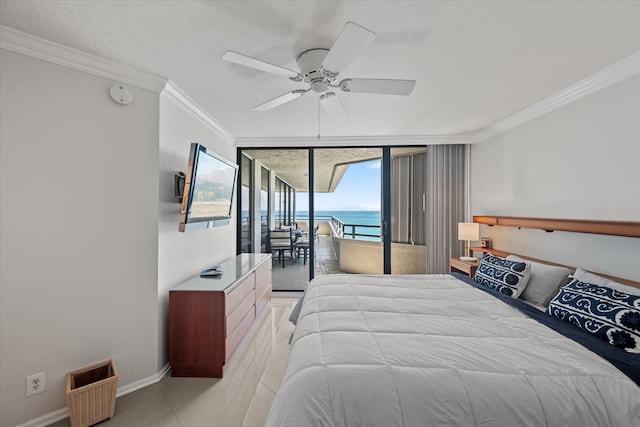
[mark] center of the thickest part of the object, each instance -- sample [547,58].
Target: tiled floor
[295,274]
[241,399]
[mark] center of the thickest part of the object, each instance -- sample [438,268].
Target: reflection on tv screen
[213,188]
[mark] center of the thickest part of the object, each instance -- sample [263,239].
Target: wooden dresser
[209,317]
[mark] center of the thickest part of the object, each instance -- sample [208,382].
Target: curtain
[408,176]
[401,208]
[445,202]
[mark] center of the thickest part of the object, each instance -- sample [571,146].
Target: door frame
[385,190]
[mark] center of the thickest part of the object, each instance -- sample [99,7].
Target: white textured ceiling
[475,62]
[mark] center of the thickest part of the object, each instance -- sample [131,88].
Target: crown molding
[598,81]
[609,76]
[182,98]
[27,44]
[354,141]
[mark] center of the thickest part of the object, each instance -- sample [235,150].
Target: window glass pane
[246,206]
[277,200]
[283,173]
[264,207]
[347,201]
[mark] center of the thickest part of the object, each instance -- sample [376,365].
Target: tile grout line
[283,318]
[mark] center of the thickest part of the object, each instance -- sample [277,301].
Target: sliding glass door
[349,210]
[265,208]
[283,186]
[246,205]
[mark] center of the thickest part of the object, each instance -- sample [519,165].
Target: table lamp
[468,231]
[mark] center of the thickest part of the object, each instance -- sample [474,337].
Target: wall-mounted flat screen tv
[209,188]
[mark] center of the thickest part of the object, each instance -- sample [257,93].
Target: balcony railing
[355,230]
[344,230]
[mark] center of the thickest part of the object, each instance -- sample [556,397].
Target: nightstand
[465,267]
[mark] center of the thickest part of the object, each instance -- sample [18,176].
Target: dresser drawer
[239,293]
[263,283]
[236,337]
[264,279]
[263,271]
[235,317]
[262,301]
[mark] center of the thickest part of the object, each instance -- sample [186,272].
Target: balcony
[347,186]
[295,275]
[339,252]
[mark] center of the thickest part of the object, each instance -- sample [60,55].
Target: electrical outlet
[36,383]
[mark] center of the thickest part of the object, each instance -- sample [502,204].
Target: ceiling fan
[320,68]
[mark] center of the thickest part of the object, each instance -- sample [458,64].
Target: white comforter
[433,351]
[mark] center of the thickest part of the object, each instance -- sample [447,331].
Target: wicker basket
[91,394]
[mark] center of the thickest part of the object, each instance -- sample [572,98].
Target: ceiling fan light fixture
[319,86]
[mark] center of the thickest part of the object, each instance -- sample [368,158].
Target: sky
[359,190]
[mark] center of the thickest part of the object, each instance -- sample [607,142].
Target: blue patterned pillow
[506,277]
[607,313]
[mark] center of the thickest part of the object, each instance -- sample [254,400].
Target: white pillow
[544,282]
[594,279]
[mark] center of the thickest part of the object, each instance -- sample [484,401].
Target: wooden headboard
[503,254]
[609,228]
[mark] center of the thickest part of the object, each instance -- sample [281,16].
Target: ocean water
[350,217]
[347,217]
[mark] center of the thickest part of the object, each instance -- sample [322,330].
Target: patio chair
[280,242]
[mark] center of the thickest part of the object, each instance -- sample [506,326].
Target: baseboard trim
[142,383]
[61,414]
[47,419]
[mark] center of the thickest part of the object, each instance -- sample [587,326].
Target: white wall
[581,161]
[79,226]
[184,255]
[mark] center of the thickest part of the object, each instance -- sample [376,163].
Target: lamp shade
[468,231]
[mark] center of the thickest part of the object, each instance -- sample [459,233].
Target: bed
[442,350]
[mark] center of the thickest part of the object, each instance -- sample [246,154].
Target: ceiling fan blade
[248,61]
[289,96]
[381,86]
[352,39]
[333,106]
